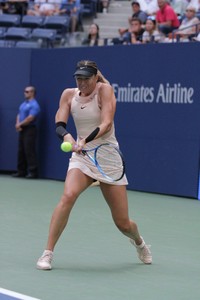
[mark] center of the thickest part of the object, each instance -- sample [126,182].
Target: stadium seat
[59,23]
[47,35]
[9,20]
[2,44]
[17,33]
[7,44]
[2,32]
[27,44]
[32,21]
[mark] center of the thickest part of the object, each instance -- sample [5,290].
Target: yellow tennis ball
[66,147]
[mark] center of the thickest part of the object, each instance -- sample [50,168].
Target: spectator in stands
[26,127]
[4,7]
[166,18]
[137,13]
[71,8]
[105,5]
[151,34]
[44,8]
[185,30]
[14,7]
[134,35]
[93,38]
[150,7]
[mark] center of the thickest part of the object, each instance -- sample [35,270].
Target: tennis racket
[108,159]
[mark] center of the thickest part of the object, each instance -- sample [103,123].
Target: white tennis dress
[86,112]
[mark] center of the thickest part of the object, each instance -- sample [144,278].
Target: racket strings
[110,161]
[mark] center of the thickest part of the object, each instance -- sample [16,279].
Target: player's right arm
[63,112]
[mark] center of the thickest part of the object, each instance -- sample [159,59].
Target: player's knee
[123,225]
[68,198]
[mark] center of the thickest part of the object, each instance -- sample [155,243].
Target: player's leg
[75,183]
[116,197]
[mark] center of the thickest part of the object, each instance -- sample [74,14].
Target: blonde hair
[92,64]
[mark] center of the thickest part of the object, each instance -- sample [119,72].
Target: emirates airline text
[165,94]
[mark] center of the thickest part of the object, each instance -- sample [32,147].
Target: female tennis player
[92,105]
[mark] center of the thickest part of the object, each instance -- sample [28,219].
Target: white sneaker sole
[44,268]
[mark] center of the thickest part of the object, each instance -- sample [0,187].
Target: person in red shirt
[166,17]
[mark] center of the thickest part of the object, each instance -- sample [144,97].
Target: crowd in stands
[150,21]
[161,21]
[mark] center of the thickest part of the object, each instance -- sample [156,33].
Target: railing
[176,37]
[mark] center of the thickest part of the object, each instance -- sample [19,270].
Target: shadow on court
[93,260]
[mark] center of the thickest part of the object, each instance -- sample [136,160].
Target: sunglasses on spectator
[27,91]
[190,10]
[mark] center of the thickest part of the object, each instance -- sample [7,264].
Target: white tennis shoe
[44,262]
[143,251]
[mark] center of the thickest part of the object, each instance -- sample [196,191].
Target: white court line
[16,295]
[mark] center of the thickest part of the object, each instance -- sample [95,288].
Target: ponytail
[101,78]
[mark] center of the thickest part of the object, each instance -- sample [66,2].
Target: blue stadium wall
[158,112]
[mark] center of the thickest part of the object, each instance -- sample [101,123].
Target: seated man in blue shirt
[71,8]
[29,110]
